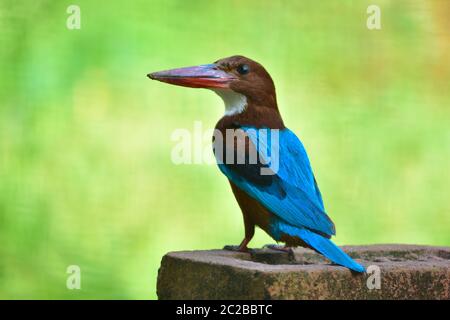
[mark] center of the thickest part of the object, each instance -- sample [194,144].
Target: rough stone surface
[406,272]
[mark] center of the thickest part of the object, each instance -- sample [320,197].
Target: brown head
[240,81]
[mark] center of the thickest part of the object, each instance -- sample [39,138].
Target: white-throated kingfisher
[277,190]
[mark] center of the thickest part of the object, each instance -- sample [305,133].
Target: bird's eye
[243,69]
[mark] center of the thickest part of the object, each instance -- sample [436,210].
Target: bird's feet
[240,248]
[237,248]
[277,247]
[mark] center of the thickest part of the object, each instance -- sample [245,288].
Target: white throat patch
[235,103]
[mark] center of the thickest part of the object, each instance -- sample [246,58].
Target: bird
[266,163]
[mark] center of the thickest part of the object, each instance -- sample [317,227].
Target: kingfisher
[266,163]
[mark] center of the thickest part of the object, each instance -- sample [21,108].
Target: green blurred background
[86,176]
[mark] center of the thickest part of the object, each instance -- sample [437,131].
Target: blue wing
[290,190]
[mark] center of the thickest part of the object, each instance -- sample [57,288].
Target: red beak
[203,76]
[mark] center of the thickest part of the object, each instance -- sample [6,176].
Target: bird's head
[240,81]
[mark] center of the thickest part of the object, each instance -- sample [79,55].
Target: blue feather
[293,194]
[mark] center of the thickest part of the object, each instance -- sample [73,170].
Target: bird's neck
[252,116]
[235,103]
[239,111]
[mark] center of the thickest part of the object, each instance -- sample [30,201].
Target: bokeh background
[86,176]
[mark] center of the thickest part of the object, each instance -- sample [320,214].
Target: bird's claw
[277,247]
[236,248]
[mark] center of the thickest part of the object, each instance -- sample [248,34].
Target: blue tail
[318,242]
[329,249]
